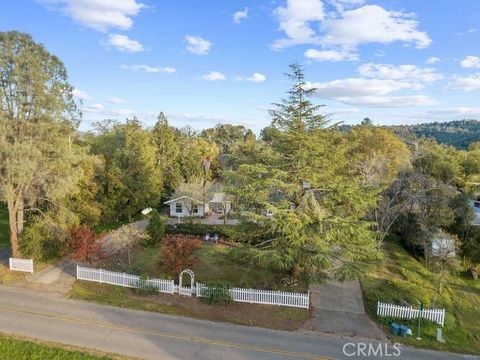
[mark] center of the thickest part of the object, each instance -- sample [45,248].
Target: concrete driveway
[338,309]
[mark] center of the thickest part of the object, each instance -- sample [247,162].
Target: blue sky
[211,61]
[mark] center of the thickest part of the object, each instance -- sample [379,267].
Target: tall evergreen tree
[304,203]
[168,153]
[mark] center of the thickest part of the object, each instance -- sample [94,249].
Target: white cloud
[306,22]
[214,76]
[257,78]
[432,60]
[470,62]
[240,15]
[400,72]
[198,45]
[116,100]
[341,5]
[330,55]
[370,92]
[295,20]
[459,112]
[93,108]
[465,83]
[149,69]
[101,15]
[81,94]
[373,24]
[124,43]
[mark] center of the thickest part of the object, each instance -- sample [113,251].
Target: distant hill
[459,133]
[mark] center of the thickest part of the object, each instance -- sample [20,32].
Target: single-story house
[185,206]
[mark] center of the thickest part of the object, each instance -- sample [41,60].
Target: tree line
[314,199]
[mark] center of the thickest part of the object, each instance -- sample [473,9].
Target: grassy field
[14,348]
[405,278]
[4,242]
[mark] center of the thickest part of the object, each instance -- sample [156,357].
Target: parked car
[207,238]
[215,238]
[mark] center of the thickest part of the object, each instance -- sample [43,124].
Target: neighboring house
[442,245]
[185,206]
[475,204]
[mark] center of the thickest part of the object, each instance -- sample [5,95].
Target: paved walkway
[55,278]
[157,336]
[338,309]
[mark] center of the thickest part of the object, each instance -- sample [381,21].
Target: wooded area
[314,200]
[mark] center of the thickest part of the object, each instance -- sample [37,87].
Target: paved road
[157,336]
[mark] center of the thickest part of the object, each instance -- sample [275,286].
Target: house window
[178,208]
[476,204]
[195,209]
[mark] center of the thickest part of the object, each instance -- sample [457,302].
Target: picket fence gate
[253,296]
[268,297]
[407,312]
[25,265]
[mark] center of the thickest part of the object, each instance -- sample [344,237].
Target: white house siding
[185,207]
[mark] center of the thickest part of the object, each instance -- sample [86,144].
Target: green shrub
[42,239]
[155,230]
[199,229]
[216,294]
[146,288]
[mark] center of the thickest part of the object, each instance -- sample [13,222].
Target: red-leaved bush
[83,245]
[178,252]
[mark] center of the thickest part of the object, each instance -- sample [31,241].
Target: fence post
[101,280]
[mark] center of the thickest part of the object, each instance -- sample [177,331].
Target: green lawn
[402,277]
[14,348]
[4,241]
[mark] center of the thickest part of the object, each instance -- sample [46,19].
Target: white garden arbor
[186,290]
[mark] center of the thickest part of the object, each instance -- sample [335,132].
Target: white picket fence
[21,264]
[253,296]
[407,312]
[269,297]
[122,279]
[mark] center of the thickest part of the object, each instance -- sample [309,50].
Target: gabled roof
[183,197]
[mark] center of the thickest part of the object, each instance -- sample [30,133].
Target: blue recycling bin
[394,329]
[403,330]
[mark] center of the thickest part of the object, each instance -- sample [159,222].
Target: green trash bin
[394,329]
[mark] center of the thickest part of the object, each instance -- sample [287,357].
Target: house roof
[183,197]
